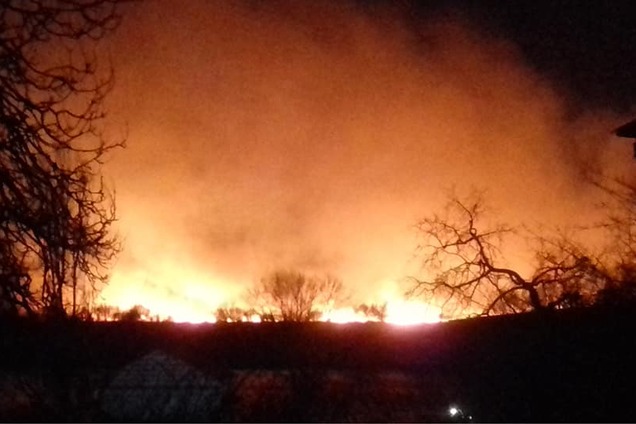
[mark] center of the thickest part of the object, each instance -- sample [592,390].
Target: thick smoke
[314,135]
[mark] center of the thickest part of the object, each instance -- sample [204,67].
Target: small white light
[453,411]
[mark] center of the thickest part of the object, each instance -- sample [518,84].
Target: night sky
[586,48]
[313,135]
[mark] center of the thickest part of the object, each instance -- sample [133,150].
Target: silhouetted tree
[373,310]
[104,312]
[15,281]
[620,219]
[620,290]
[136,313]
[55,213]
[470,273]
[294,296]
[619,225]
[233,314]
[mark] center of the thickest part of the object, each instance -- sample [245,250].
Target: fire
[398,312]
[180,296]
[343,316]
[408,312]
[188,296]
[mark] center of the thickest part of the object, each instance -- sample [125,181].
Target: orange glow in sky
[306,135]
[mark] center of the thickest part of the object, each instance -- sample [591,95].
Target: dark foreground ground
[574,366]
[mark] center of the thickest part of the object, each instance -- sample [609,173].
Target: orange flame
[194,298]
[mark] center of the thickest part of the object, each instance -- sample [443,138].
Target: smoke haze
[314,135]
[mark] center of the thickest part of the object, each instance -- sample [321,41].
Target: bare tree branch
[470,273]
[293,296]
[56,219]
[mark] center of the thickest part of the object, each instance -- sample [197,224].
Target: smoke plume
[313,135]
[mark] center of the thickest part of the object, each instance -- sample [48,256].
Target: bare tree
[294,296]
[469,272]
[619,225]
[620,219]
[15,280]
[374,310]
[620,290]
[55,212]
[232,313]
[105,312]
[136,313]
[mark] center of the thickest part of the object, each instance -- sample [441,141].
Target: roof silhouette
[627,130]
